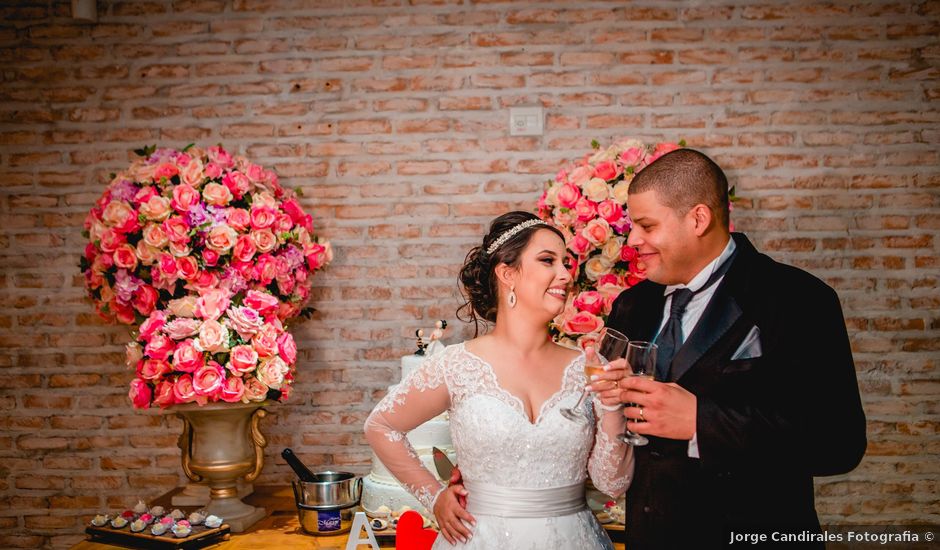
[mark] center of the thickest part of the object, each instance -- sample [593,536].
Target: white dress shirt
[695,309]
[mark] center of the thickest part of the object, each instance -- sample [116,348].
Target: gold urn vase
[220,443]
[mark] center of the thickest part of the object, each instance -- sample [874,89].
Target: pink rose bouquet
[587,201]
[177,223]
[229,347]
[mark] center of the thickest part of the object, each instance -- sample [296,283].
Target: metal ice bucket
[325,505]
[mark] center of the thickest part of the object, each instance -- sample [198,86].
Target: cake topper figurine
[436,335]
[421,345]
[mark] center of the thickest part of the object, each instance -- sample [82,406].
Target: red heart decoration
[411,534]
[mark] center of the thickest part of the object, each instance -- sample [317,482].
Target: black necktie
[670,338]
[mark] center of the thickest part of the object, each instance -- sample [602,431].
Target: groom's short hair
[684,178]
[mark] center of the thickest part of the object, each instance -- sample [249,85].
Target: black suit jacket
[765,425]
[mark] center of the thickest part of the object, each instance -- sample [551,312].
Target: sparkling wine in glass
[609,347]
[641,360]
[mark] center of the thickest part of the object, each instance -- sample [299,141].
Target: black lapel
[643,317]
[721,314]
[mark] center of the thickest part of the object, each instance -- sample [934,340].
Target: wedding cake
[381,493]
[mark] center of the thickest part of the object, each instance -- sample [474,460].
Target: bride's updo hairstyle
[503,244]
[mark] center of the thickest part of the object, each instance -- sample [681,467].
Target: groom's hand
[669,410]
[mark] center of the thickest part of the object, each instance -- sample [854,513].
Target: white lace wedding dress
[525,480]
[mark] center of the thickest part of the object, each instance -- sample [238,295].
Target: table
[280,529]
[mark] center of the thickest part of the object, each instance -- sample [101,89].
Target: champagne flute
[608,347]
[641,358]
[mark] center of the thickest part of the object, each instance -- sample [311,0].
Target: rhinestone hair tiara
[494,246]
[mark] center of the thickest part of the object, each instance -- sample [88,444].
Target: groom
[759,393]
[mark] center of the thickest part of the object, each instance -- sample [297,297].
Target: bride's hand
[606,387]
[452,518]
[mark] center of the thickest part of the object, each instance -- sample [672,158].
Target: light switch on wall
[526,121]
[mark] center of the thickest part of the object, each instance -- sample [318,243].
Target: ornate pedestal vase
[220,443]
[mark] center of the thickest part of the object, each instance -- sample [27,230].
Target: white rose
[597,190]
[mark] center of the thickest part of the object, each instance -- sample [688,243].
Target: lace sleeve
[421,396]
[611,461]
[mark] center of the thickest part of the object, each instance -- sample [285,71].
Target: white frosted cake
[379,488]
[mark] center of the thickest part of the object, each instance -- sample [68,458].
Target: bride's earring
[512,296]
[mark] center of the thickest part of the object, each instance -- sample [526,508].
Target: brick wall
[392,118]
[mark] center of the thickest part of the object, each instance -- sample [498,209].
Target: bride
[523,463]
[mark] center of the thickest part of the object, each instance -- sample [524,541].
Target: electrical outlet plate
[526,121]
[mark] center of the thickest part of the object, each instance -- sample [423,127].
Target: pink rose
[632,156]
[125,257]
[585,209]
[244,320]
[590,301]
[168,264]
[165,170]
[207,380]
[608,279]
[145,194]
[660,150]
[184,198]
[145,300]
[146,253]
[220,156]
[120,216]
[155,236]
[183,390]
[243,359]
[140,394]
[159,347]
[287,348]
[237,183]
[580,175]
[244,249]
[610,210]
[213,337]
[156,208]
[589,340]
[579,245]
[181,328]
[262,217]
[272,371]
[124,314]
[217,194]
[262,302]
[204,282]
[210,257]
[264,240]
[265,269]
[568,196]
[628,253]
[255,173]
[582,323]
[187,358]
[213,171]
[153,324]
[221,238]
[192,173]
[606,170]
[293,209]
[111,240]
[232,390]
[282,224]
[238,219]
[187,267]
[163,396]
[212,303]
[265,341]
[176,229]
[255,390]
[151,369]
[183,307]
[597,231]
